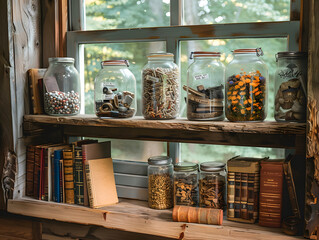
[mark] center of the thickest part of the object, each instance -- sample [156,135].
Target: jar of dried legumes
[246,86]
[212,185]
[160,182]
[186,184]
[62,89]
[160,87]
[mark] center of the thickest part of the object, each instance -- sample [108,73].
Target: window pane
[235,11]
[135,52]
[115,14]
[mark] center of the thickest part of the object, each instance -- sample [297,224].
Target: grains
[160,191]
[211,191]
[64,103]
[160,93]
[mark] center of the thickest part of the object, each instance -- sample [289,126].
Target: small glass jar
[160,182]
[205,87]
[186,184]
[114,90]
[246,86]
[212,185]
[291,87]
[160,87]
[62,89]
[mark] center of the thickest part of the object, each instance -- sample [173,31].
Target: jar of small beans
[212,185]
[160,182]
[62,89]
[246,86]
[186,184]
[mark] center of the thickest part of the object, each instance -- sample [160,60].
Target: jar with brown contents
[160,182]
[212,185]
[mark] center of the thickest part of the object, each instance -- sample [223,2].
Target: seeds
[160,93]
[57,102]
[186,190]
[211,191]
[160,191]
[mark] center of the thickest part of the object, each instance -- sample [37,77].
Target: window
[180,26]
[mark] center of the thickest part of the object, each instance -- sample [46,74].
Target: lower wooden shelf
[135,216]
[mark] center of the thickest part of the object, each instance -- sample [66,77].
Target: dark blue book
[57,189]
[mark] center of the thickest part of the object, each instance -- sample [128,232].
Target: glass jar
[212,185]
[114,90]
[160,182]
[160,87]
[186,184]
[61,86]
[246,86]
[290,87]
[205,87]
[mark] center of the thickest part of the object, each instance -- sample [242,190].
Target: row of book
[78,173]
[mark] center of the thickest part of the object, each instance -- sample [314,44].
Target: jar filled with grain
[160,182]
[160,87]
[212,185]
[186,184]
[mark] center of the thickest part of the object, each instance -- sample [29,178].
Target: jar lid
[160,55]
[258,51]
[62,59]
[204,54]
[115,63]
[159,160]
[212,166]
[291,54]
[186,167]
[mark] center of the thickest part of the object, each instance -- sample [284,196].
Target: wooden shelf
[260,134]
[135,216]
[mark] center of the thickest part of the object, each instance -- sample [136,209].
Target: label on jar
[151,78]
[291,71]
[201,76]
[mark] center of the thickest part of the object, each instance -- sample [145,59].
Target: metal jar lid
[212,166]
[186,167]
[61,59]
[159,160]
[291,55]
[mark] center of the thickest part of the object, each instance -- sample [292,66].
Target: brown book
[68,176]
[99,174]
[30,170]
[244,196]
[36,171]
[231,194]
[271,183]
[36,98]
[237,194]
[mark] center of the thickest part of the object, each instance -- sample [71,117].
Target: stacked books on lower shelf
[78,173]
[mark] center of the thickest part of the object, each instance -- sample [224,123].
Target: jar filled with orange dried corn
[246,86]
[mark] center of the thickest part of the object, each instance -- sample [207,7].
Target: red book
[270,201]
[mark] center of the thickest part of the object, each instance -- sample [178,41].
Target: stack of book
[78,173]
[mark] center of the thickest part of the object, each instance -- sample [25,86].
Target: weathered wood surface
[135,216]
[267,134]
[312,180]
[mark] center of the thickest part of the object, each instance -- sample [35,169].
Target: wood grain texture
[135,216]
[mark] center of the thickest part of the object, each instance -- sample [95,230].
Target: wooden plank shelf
[135,216]
[259,134]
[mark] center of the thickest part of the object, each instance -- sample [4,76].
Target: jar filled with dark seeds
[161,91]
[212,185]
[186,184]
[62,89]
[160,182]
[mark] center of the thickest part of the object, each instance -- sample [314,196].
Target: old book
[36,171]
[57,177]
[29,170]
[36,98]
[68,176]
[271,186]
[237,194]
[99,174]
[231,194]
[62,185]
[244,196]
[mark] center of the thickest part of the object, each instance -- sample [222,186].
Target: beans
[160,191]
[62,103]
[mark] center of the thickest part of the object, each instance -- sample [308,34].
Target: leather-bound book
[244,196]
[36,96]
[30,169]
[231,194]
[271,186]
[237,194]
[68,176]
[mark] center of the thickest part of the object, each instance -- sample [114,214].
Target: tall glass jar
[205,87]
[160,182]
[186,184]
[246,86]
[160,87]
[114,90]
[212,185]
[291,87]
[62,89]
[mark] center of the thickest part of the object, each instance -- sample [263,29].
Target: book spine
[56,170]
[36,172]
[231,195]
[32,89]
[250,195]
[88,183]
[45,176]
[68,176]
[271,182]
[30,170]
[61,181]
[237,194]
[256,195]
[78,176]
[85,188]
[244,196]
